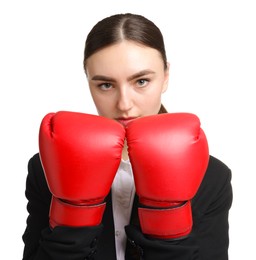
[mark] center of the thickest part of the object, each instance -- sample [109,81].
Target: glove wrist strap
[170,223]
[65,214]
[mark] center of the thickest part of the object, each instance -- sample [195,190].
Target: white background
[211,46]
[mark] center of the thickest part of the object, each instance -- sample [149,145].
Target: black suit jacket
[209,239]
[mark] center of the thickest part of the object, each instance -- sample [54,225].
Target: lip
[125,121]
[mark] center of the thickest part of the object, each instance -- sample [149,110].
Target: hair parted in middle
[119,27]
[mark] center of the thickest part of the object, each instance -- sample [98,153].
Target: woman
[127,71]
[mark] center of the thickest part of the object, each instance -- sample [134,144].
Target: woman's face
[126,81]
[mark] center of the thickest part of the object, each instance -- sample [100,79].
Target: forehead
[126,55]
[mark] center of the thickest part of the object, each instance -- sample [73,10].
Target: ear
[166,76]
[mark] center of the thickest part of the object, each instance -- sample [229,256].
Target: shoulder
[217,172]
[215,191]
[34,163]
[35,169]
[36,182]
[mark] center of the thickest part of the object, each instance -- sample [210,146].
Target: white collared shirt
[123,191]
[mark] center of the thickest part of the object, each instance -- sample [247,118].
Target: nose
[124,101]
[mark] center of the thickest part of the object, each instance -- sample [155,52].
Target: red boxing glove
[169,156]
[80,154]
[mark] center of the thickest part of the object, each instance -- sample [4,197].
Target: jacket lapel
[106,244]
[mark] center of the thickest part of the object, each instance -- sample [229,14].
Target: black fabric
[209,239]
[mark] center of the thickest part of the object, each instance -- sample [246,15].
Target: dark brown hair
[118,27]
[162,110]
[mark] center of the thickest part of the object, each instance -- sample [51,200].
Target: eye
[105,86]
[142,82]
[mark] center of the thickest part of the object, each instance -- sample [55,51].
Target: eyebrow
[134,76]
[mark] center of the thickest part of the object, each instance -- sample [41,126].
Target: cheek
[156,99]
[97,101]
[103,105]
[152,103]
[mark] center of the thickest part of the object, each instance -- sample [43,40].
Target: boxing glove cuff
[65,214]
[172,223]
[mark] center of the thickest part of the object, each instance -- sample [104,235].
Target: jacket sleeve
[209,239]
[41,242]
[211,211]
[151,249]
